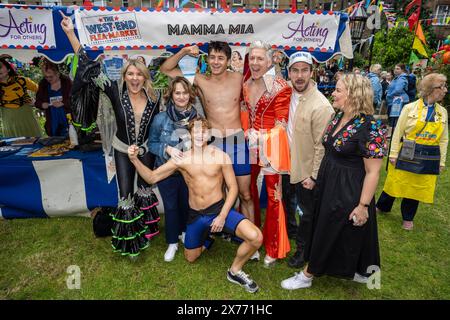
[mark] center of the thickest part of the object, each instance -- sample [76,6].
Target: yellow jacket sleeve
[443,143]
[31,85]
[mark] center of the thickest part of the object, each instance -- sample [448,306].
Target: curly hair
[359,94]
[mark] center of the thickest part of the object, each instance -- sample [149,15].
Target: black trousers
[290,204]
[408,206]
[306,202]
[125,172]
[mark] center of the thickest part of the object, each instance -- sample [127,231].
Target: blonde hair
[359,94]
[375,68]
[428,83]
[143,69]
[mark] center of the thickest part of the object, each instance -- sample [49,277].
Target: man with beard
[220,95]
[309,113]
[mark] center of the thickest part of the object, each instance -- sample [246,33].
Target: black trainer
[244,280]
[297,260]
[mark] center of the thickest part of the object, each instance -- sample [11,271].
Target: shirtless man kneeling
[220,93]
[205,169]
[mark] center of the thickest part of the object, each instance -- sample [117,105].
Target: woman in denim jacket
[168,138]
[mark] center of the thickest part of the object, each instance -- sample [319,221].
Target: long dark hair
[11,71]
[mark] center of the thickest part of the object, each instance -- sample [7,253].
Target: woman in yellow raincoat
[423,124]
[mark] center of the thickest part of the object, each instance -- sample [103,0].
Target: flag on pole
[160,4]
[417,44]
[176,3]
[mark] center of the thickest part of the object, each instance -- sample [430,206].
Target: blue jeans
[174,193]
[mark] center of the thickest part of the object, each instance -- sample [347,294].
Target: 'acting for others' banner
[114,28]
[29,27]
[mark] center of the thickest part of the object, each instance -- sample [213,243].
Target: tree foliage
[392,47]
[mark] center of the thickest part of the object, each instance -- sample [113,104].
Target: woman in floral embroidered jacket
[135,104]
[344,240]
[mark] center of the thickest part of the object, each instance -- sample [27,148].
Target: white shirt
[295,99]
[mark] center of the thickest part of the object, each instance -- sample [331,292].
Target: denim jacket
[398,87]
[163,134]
[377,89]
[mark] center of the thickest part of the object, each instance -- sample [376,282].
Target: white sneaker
[255,256]
[182,236]
[170,252]
[269,261]
[359,278]
[298,281]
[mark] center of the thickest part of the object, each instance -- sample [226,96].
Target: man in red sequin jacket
[264,117]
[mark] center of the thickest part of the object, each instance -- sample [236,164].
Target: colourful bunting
[412,20]
[419,33]
[223,4]
[412,4]
[294,5]
[183,3]
[413,58]
[419,47]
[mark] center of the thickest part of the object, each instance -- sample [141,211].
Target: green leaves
[392,47]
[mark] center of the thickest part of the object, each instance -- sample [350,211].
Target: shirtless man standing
[220,93]
[205,168]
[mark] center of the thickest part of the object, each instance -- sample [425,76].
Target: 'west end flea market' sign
[114,28]
[27,27]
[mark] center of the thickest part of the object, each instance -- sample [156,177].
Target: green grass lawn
[35,255]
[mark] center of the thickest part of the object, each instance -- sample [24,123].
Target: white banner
[27,28]
[153,29]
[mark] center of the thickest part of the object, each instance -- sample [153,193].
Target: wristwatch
[364,205]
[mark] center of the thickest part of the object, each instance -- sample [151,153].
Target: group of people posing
[325,158]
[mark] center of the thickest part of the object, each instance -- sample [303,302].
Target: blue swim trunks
[199,224]
[236,146]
